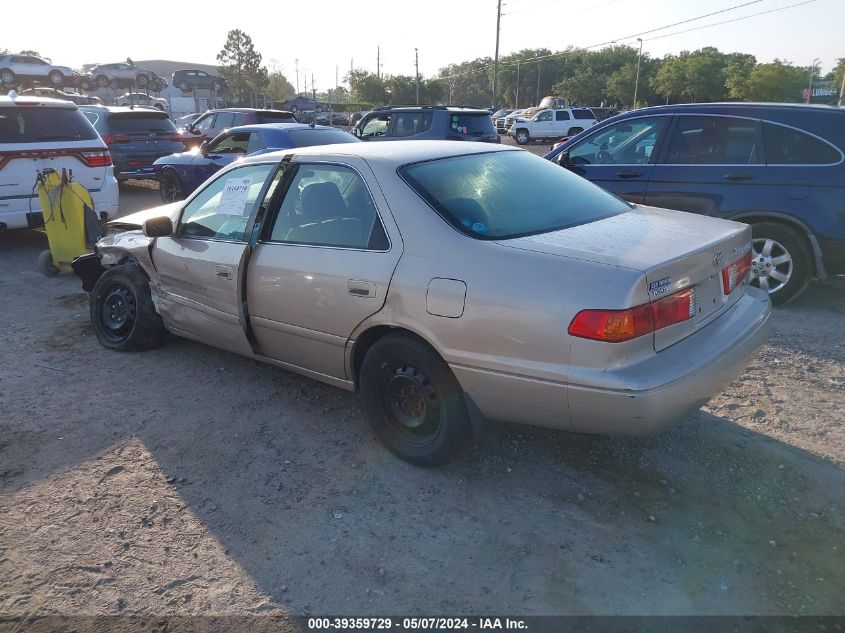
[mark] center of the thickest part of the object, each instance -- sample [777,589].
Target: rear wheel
[413,400]
[522,137]
[575,130]
[122,310]
[781,261]
[7,77]
[170,187]
[103,81]
[45,264]
[141,81]
[57,78]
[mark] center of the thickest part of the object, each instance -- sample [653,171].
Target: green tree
[366,87]
[279,87]
[779,81]
[837,74]
[738,71]
[240,65]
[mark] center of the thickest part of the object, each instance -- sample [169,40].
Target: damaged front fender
[113,250]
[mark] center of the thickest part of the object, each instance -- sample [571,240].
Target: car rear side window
[561,115]
[410,123]
[788,146]
[141,124]
[308,138]
[583,113]
[508,194]
[36,124]
[475,124]
[274,117]
[714,140]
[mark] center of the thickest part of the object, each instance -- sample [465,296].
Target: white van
[38,134]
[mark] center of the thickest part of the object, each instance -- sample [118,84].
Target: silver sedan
[448,283]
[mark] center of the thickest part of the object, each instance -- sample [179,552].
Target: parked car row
[17,69]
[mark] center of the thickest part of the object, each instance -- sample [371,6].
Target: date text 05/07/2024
[414,624]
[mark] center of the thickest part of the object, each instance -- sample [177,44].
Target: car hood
[134,221]
[179,158]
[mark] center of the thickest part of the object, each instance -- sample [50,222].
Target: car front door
[222,151]
[200,266]
[323,264]
[544,125]
[619,157]
[711,165]
[203,129]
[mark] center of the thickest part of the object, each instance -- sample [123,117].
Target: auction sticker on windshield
[233,200]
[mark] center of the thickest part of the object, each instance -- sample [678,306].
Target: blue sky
[327,34]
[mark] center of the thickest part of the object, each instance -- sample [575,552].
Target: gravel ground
[187,480]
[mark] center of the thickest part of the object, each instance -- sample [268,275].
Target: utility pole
[810,86]
[313,89]
[537,99]
[496,60]
[517,84]
[297,76]
[378,62]
[637,80]
[417,66]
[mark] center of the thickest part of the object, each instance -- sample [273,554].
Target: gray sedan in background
[448,283]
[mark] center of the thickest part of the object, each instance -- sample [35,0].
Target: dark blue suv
[778,167]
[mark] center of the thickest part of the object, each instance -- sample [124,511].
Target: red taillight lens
[617,326]
[108,139]
[96,158]
[736,273]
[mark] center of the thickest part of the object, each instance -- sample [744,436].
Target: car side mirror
[158,227]
[563,158]
[204,148]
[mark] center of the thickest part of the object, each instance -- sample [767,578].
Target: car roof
[11,100]
[393,153]
[263,127]
[737,105]
[249,110]
[122,109]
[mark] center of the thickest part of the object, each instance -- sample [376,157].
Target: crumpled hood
[136,220]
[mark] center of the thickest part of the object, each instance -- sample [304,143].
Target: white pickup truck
[550,124]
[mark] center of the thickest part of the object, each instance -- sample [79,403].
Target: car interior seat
[327,220]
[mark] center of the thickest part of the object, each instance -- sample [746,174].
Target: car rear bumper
[639,399]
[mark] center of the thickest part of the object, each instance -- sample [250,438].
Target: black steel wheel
[413,400]
[122,310]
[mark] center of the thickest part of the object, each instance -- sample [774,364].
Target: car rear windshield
[273,117]
[306,138]
[142,123]
[476,124]
[583,113]
[508,194]
[36,124]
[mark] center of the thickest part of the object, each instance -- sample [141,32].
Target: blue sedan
[180,174]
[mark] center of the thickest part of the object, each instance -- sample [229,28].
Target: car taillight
[617,326]
[96,158]
[108,139]
[736,273]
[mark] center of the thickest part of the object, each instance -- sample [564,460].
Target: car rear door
[710,164]
[562,123]
[323,264]
[619,157]
[200,266]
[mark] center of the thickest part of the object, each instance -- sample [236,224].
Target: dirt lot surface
[187,480]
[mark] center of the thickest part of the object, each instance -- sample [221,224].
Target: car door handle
[359,288]
[223,272]
[739,175]
[629,174]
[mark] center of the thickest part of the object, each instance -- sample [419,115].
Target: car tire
[102,81]
[170,186]
[122,310]
[141,81]
[781,261]
[85,86]
[45,264]
[522,137]
[7,77]
[57,79]
[413,400]
[575,130]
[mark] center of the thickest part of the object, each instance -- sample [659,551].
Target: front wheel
[122,310]
[102,81]
[170,187]
[57,78]
[781,261]
[413,400]
[142,80]
[7,77]
[522,137]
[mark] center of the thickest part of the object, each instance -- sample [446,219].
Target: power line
[613,41]
[745,17]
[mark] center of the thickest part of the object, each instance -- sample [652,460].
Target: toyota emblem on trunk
[717,259]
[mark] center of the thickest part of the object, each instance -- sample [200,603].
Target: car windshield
[33,124]
[305,138]
[508,194]
[142,123]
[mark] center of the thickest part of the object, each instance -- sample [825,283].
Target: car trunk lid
[673,250]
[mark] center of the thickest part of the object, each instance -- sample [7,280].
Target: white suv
[38,134]
[550,124]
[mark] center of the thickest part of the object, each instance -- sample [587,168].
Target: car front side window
[544,116]
[222,209]
[376,126]
[629,142]
[205,123]
[230,144]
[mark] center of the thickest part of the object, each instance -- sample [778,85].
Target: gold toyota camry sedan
[447,283]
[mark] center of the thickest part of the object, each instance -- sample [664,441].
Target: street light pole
[810,86]
[417,72]
[517,84]
[496,60]
[637,80]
